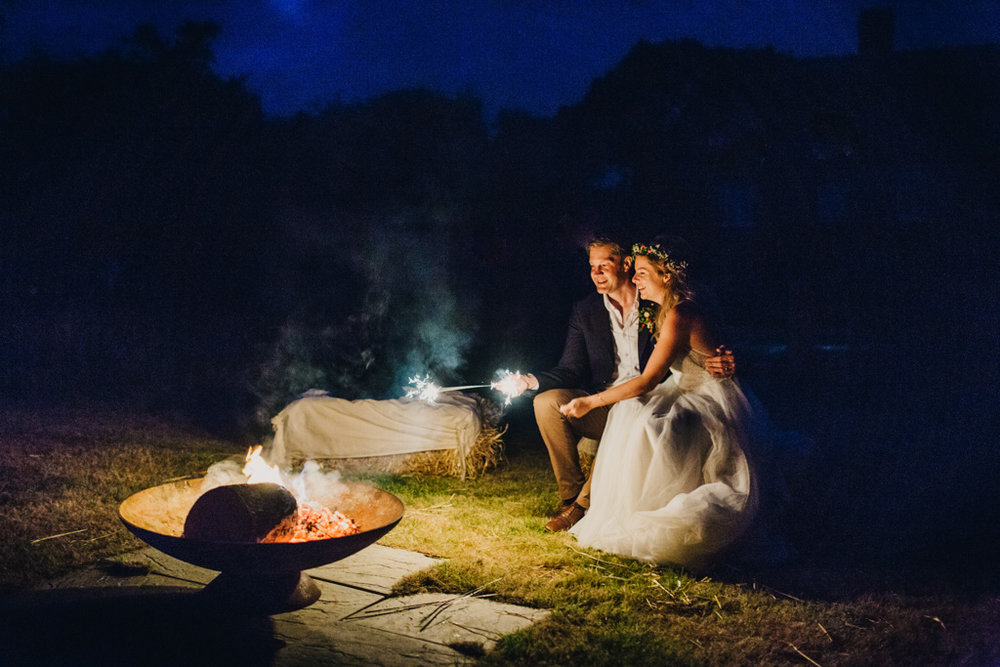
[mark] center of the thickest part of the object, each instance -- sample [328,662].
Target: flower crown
[654,251]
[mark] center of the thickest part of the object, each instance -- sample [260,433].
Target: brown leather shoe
[563,506]
[566,519]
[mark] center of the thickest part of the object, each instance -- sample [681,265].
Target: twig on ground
[177,479]
[796,649]
[52,537]
[685,599]
[431,508]
[440,605]
[787,595]
[362,613]
[429,619]
[99,537]
[491,636]
[824,631]
[936,620]
[599,560]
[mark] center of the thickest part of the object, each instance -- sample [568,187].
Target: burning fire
[312,521]
[258,471]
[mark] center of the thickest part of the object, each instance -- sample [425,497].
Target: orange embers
[312,523]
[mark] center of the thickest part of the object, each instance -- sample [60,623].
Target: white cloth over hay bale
[447,437]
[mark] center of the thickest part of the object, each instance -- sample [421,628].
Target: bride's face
[649,279]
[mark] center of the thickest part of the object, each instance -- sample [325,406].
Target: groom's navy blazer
[588,358]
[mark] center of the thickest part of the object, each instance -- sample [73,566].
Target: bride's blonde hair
[669,255]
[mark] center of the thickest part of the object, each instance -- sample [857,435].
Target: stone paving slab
[147,602]
[147,567]
[447,619]
[376,568]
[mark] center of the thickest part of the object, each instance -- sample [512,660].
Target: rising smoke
[311,482]
[425,319]
[398,306]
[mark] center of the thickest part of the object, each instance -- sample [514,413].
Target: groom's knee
[545,402]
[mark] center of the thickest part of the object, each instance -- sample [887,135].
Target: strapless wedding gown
[672,482]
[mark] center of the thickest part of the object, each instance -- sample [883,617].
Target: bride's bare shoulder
[688,309]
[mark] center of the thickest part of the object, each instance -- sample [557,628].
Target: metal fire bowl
[267,577]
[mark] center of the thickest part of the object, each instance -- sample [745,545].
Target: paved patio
[146,608]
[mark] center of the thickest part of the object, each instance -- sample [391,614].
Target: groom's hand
[520,383]
[722,365]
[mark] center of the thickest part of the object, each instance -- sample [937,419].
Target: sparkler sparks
[508,385]
[423,388]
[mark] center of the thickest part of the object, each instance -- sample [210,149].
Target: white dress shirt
[625,331]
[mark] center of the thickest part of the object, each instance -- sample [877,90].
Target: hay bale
[587,449]
[485,454]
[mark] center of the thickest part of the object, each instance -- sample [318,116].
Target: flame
[258,471]
[311,521]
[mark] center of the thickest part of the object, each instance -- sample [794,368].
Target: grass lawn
[63,473]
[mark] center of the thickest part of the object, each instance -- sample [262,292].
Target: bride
[671,482]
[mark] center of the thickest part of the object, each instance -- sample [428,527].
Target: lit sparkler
[508,385]
[423,388]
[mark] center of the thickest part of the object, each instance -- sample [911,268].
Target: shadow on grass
[130,626]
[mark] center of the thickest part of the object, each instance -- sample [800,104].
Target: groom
[605,345]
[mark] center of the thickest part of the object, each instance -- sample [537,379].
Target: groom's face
[606,269]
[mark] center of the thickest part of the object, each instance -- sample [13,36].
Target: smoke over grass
[397,308]
[423,312]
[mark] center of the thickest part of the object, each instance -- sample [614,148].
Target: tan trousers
[562,434]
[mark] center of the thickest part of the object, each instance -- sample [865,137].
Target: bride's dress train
[672,482]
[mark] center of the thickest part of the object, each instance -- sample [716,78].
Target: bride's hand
[722,365]
[578,407]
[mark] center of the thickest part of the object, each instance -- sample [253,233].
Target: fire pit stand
[265,577]
[257,591]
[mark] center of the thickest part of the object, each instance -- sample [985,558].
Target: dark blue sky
[533,55]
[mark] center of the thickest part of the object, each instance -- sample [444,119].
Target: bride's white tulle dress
[672,482]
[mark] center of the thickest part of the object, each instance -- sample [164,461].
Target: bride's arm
[668,345]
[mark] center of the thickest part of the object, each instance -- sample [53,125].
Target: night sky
[535,56]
